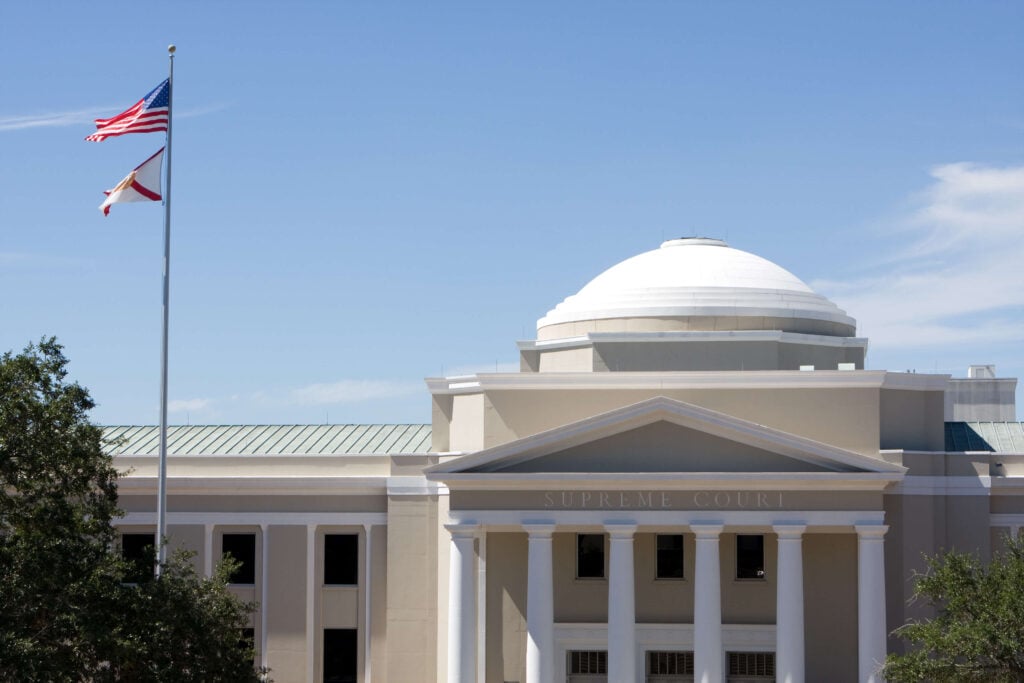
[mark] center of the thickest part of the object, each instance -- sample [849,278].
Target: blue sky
[366,194]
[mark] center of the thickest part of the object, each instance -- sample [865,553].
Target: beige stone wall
[662,601]
[412,596]
[717,355]
[830,607]
[847,419]
[911,420]
[286,603]
[505,650]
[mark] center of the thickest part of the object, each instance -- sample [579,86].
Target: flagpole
[161,494]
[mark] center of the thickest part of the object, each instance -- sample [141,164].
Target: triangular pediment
[663,435]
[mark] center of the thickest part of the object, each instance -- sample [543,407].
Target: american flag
[148,115]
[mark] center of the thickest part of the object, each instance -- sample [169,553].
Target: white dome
[701,279]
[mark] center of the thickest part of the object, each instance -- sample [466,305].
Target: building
[691,477]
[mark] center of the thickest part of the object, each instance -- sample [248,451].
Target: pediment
[663,435]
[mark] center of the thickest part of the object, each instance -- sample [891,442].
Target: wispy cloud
[75,117]
[85,117]
[953,272]
[352,391]
[342,392]
[191,405]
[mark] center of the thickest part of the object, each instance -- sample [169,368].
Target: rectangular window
[137,551]
[669,664]
[247,640]
[749,557]
[670,556]
[341,559]
[340,655]
[589,556]
[588,662]
[242,547]
[751,666]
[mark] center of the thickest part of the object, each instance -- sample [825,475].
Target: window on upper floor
[749,556]
[589,556]
[341,559]
[669,556]
[137,550]
[242,547]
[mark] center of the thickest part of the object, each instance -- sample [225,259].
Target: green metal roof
[998,437]
[372,439]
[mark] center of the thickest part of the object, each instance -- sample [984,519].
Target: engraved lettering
[780,500]
[605,500]
[549,500]
[567,499]
[666,502]
[623,501]
[762,500]
[722,499]
[700,499]
[644,502]
[741,499]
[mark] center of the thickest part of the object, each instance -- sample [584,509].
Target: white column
[481,605]
[540,609]
[208,550]
[621,604]
[870,600]
[264,591]
[310,602]
[707,606]
[367,601]
[461,607]
[789,605]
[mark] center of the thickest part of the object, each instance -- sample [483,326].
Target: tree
[66,613]
[978,631]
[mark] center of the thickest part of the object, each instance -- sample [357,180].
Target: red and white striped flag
[141,185]
[148,115]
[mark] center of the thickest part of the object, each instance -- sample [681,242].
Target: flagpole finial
[171,49]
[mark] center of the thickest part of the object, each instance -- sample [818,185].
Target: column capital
[539,529]
[462,530]
[709,530]
[620,530]
[871,532]
[789,531]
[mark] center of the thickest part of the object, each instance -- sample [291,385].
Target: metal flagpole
[161,491]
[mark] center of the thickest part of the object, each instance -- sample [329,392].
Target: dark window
[340,655]
[669,664]
[588,662]
[137,550]
[590,556]
[749,557]
[341,559]
[752,666]
[247,640]
[242,547]
[670,556]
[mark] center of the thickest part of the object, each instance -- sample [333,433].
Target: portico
[586,625]
[626,639]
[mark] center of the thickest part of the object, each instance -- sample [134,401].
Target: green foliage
[65,612]
[978,631]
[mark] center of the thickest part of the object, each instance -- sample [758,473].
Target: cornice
[736,379]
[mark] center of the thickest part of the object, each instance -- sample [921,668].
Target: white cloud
[958,274]
[85,117]
[188,405]
[76,117]
[352,391]
[474,369]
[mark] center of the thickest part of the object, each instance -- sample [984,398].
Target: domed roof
[701,283]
